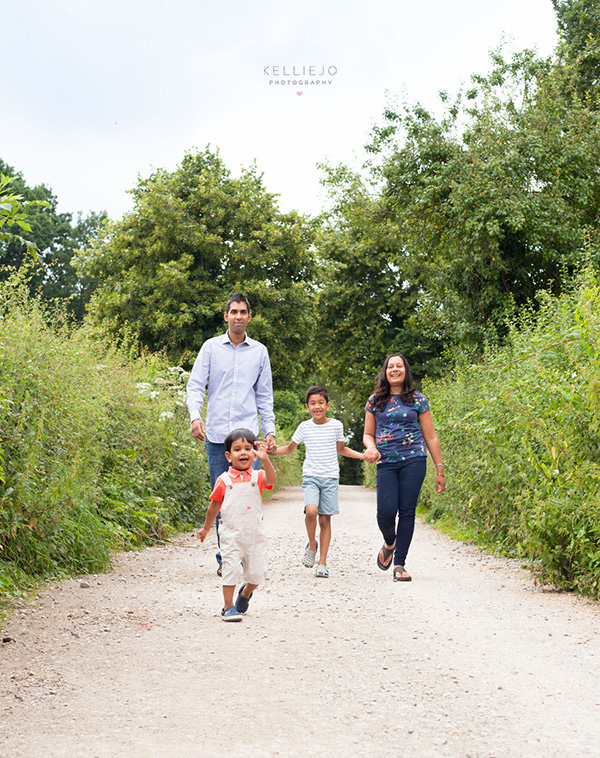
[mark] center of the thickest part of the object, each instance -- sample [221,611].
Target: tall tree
[579,25]
[13,216]
[56,240]
[489,203]
[369,293]
[196,235]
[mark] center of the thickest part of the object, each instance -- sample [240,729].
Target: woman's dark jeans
[398,488]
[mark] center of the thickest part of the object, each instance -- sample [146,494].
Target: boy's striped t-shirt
[321,447]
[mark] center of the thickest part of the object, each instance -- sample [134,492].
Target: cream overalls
[241,531]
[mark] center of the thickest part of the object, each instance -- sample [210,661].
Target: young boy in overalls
[238,496]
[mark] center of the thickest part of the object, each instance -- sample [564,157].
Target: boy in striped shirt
[324,440]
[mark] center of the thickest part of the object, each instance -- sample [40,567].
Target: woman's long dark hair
[382,386]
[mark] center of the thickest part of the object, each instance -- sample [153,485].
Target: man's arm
[263,394]
[196,389]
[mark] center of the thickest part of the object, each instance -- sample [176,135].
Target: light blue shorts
[323,492]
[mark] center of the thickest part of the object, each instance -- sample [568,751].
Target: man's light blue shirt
[238,385]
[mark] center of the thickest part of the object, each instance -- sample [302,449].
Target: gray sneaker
[309,557]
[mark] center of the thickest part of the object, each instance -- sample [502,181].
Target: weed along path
[469,659]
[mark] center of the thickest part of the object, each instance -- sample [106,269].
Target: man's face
[238,316]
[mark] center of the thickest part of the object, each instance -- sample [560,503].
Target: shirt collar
[234,473]
[225,339]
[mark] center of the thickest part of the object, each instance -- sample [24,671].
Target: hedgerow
[95,449]
[520,435]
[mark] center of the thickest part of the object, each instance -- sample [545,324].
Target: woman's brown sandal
[401,574]
[387,553]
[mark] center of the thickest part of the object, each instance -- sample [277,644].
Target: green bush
[95,449]
[520,435]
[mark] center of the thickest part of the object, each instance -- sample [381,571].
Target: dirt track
[470,659]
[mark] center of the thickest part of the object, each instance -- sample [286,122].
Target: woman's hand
[372,454]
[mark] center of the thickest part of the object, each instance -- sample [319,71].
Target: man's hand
[198,430]
[271,444]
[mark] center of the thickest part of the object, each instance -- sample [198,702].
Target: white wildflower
[165,415]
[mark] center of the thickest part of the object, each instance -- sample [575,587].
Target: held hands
[271,444]
[371,454]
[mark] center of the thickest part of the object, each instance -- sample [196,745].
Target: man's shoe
[231,614]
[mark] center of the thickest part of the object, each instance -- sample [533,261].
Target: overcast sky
[95,94]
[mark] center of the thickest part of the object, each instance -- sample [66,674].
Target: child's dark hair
[239,434]
[315,390]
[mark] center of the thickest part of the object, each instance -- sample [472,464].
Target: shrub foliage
[521,439]
[95,450]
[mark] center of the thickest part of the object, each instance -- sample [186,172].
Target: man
[234,372]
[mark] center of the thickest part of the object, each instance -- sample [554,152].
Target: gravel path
[470,659]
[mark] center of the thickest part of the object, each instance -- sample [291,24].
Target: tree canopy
[579,26]
[194,236]
[55,238]
[480,208]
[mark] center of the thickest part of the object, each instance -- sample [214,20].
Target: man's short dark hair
[237,298]
[239,434]
[315,390]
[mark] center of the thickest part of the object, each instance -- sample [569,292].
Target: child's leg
[247,590]
[325,537]
[228,590]
[310,521]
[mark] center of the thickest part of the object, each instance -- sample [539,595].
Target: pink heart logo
[298,93]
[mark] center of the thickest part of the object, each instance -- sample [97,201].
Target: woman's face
[395,373]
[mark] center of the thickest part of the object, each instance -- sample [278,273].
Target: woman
[398,433]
